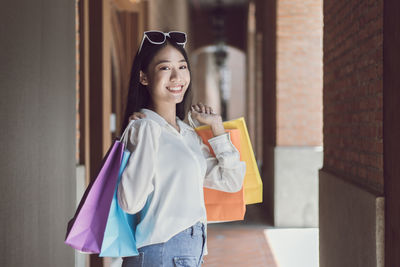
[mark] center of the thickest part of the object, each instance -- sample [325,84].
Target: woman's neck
[168,112]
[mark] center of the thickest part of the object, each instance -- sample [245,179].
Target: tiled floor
[238,246]
[252,243]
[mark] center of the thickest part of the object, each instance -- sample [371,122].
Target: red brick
[353,69]
[299,73]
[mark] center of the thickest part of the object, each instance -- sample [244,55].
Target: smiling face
[167,76]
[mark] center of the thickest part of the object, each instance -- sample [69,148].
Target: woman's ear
[143,78]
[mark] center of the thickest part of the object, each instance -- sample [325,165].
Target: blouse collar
[162,122]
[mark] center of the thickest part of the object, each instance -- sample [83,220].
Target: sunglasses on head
[157,37]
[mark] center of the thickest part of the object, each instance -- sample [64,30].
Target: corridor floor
[236,245]
[255,245]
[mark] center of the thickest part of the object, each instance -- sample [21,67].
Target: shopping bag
[119,236]
[252,180]
[86,229]
[223,206]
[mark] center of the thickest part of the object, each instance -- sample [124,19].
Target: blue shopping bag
[119,236]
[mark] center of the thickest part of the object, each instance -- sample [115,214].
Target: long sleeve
[137,180]
[225,171]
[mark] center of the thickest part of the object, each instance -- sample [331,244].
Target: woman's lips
[175,89]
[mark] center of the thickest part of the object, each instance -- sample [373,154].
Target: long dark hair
[138,95]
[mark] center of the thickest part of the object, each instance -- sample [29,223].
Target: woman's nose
[175,76]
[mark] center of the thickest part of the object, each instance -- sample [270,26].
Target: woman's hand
[205,115]
[137,116]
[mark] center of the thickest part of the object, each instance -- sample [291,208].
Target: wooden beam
[391,129]
[126,5]
[99,90]
[106,75]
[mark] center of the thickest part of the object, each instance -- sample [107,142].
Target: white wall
[37,137]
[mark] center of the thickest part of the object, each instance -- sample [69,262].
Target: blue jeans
[185,249]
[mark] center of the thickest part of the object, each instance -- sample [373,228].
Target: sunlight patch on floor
[294,247]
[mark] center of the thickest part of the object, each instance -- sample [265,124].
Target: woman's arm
[137,179]
[225,171]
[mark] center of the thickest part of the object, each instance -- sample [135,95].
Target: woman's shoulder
[145,125]
[143,128]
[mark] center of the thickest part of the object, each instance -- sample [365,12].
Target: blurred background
[281,64]
[233,53]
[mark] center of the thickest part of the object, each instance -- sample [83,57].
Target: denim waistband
[196,229]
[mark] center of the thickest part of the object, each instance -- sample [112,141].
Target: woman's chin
[178,98]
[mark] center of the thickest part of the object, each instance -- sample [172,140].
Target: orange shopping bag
[223,206]
[252,181]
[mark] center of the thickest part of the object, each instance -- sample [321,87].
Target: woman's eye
[164,68]
[183,67]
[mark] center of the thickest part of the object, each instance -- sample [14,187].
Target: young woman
[169,165]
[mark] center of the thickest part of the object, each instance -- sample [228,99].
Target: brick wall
[353,63]
[299,73]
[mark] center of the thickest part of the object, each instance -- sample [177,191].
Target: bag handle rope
[123,136]
[192,121]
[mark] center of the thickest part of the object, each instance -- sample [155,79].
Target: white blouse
[165,175]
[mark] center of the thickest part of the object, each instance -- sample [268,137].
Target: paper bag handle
[123,136]
[192,122]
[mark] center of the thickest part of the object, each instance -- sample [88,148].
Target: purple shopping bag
[86,229]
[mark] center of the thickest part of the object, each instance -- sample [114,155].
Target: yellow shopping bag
[252,180]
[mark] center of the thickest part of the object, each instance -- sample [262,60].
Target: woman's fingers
[196,108]
[202,108]
[137,116]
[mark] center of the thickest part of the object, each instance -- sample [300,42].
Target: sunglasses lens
[178,37]
[157,37]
